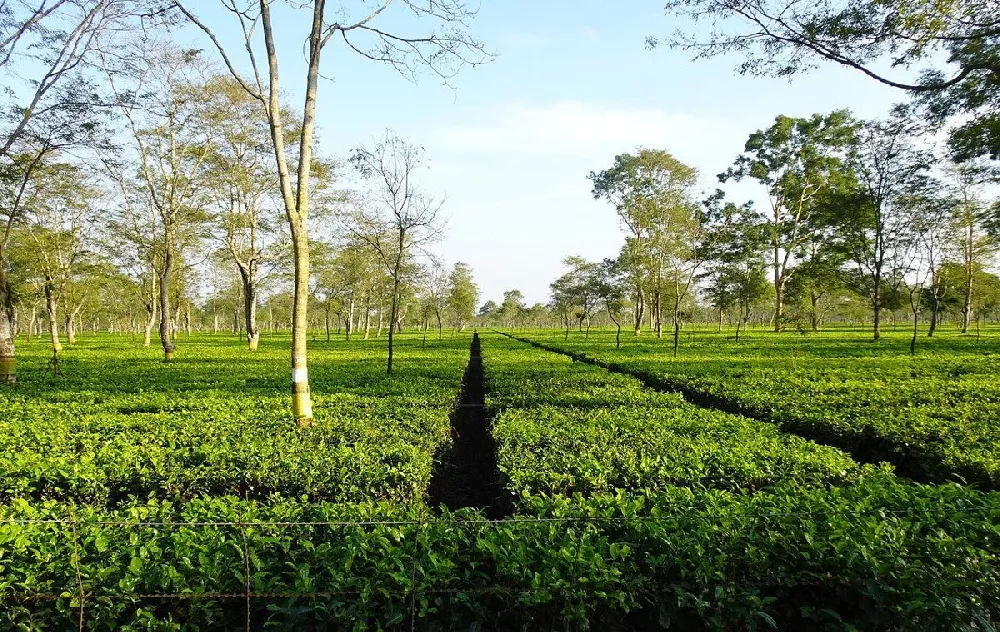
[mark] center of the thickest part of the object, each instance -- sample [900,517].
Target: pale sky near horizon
[511,142]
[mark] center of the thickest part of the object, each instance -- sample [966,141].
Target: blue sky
[510,143]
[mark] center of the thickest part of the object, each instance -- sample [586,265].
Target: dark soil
[466,473]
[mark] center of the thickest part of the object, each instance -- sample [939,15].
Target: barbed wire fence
[78,595]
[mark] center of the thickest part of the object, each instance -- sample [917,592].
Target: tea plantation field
[935,414]
[142,496]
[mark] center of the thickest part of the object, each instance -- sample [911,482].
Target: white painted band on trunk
[300,376]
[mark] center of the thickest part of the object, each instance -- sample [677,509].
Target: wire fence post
[419,527]
[246,567]
[575,569]
[76,566]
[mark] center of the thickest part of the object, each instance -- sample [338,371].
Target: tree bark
[69,328]
[392,316]
[8,368]
[32,323]
[640,306]
[935,313]
[658,310]
[50,307]
[301,397]
[814,311]
[349,324]
[967,300]
[165,273]
[150,322]
[247,274]
[677,325]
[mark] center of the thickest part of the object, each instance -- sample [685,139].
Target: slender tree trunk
[32,325]
[640,306]
[378,330]
[326,322]
[249,277]
[967,300]
[165,275]
[658,310]
[935,313]
[437,313]
[70,329]
[250,314]
[349,325]
[8,363]
[677,324]
[301,397]
[814,310]
[876,323]
[150,322]
[392,316]
[51,310]
[913,339]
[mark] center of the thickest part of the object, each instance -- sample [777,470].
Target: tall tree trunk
[814,310]
[32,324]
[967,300]
[247,274]
[69,328]
[779,291]
[640,306]
[349,324]
[677,324]
[326,321]
[8,368]
[301,397]
[165,274]
[393,313]
[437,313]
[658,310]
[150,322]
[378,330]
[935,313]
[50,308]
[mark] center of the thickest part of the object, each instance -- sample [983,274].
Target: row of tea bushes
[934,416]
[217,422]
